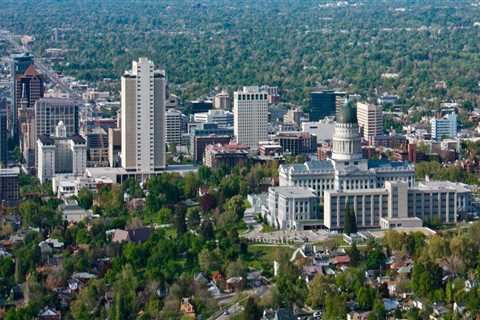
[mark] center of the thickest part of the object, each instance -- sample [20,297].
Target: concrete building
[226,155]
[200,106]
[250,109]
[97,147]
[292,208]
[322,129]
[60,154]
[398,205]
[445,127]
[205,134]
[325,104]
[222,101]
[49,112]
[29,87]
[9,186]
[143,96]
[221,117]
[114,146]
[174,127]
[3,133]
[370,120]
[294,116]
[295,143]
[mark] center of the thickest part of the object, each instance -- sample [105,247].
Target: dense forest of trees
[207,44]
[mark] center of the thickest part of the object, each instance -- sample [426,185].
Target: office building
[370,120]
[322,129]
[49,112]
[97,147]
[250,110]
[200,106]
[9,186]
[445,127]
[222,101]
[325,104]
[294,116]
[143,96]
[114,146]
[174,119]
[20,63]
[292,208]
[205,134]
[60,154]
[3,133]
[295,143]
[398,205]
[225,155]
[346,169]
[221,117]
[28,88]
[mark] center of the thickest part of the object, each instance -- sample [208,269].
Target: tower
[250,116]
[143,128]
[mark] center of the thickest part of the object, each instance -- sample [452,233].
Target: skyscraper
[250,114]
[19,64]
[370,119]
[143,99]
[325,103]
[3,133]
[27,88]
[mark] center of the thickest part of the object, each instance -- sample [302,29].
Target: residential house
[187,308]
[49,314]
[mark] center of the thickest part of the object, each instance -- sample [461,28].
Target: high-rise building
[143,98]
[9,186]
[20,63]
[325,103]
[114,146]
[29,87]
[222,101]
[445,127]
[49,112]
[370,120]
[174,127]
[3,133]
[250,113]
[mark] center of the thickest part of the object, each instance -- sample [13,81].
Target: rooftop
[294,192]
[443,185]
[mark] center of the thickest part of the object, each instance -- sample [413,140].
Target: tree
[251,310]
[378,312]
[320,288]
[209,260]
[236,269]
[365,297]
[180,224]
[350,225]
[193,218]
[355,255]
[335,307]
[85,198]
[125,300]
[376,259]
[207,202]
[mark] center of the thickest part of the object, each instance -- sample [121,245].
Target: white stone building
[250,112]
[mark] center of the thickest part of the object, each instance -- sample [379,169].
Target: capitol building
[382,193]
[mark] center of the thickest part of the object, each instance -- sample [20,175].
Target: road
[237,308]
[45,70]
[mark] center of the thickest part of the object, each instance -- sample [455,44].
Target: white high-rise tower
[143,98]
[250,116]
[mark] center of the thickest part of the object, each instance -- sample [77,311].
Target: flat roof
[294,192]
[443,186]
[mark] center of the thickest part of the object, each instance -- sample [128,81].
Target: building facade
[225,155]
[221,117]
[60,154]
[370,120]
[143,96]
[250,110]
[174,119]
[445,127]
[222,101]
[9,186]
[3,133]
[398,205]
[295,143]
[292,208]
[325,104]
[205,134]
